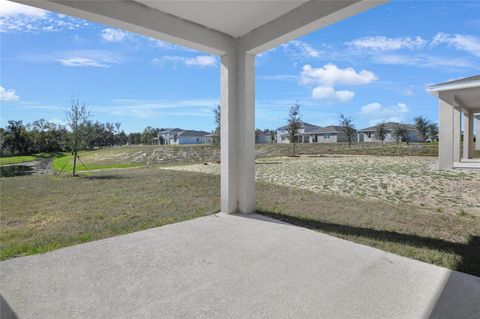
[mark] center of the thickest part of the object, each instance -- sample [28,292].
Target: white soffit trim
[460,84]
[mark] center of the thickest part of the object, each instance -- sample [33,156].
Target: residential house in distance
[177,136]
[305,129]
[368,134]
[328,134]
[265,137]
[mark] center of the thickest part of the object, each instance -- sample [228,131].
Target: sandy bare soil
[395,179]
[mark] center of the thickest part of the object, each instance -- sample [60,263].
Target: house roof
[172,130]
[389,126]
[304,125]
[459,84]
[193,133]
[332,129]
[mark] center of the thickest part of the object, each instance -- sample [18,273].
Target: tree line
[42,136]
[78,133]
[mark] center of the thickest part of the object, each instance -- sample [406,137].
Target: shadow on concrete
[469,252]
[459,298]
[460,295]
[6,312]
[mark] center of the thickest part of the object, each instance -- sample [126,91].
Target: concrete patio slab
[225,266]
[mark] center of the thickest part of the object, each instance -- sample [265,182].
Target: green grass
[65,162]
[24,158]
[42,213]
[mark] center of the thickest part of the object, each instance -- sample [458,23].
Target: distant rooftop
[304,124]
[332,129]
[388,126]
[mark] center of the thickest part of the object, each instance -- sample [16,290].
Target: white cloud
[11,9]
[169,46]
[463,42]
[80,62]
[408,92]
[199,61]
[327,77]
[159,108]
[113,35]
[301,49]
[328,94]
[77,58]
[89,58]
[376,112]
[382,43]
[16,17]
[424,61]
[330,74]
[8,95]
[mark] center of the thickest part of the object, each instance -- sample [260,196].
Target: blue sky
[373,67]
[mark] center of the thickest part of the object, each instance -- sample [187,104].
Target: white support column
[237,133]
[468,134]
[457,133]
[477,117]
[446,131]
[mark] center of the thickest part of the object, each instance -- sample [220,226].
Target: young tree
[433,131]
[401,134]
[346,123]
[76,117]
[294,124]
[216,133]
[421,124]
[381,133]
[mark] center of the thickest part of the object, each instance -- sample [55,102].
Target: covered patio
[457,99]
[234,264]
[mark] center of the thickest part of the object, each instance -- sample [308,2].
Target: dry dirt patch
[395,179]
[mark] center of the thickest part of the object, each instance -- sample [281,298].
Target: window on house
[326,136]
[369,134]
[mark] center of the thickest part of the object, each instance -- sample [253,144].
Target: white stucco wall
[389,138]
[477,134]
[184,140]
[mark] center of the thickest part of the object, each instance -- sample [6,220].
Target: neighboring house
[178,136]
[328,134]
[264,138]
[303,137]
[369,134]
[211,138]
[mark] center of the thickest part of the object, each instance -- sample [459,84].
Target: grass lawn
[42,213]
[24,158]
[65,162]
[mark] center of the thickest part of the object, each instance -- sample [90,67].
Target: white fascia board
[139,18]
[434,89]
[308,17]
